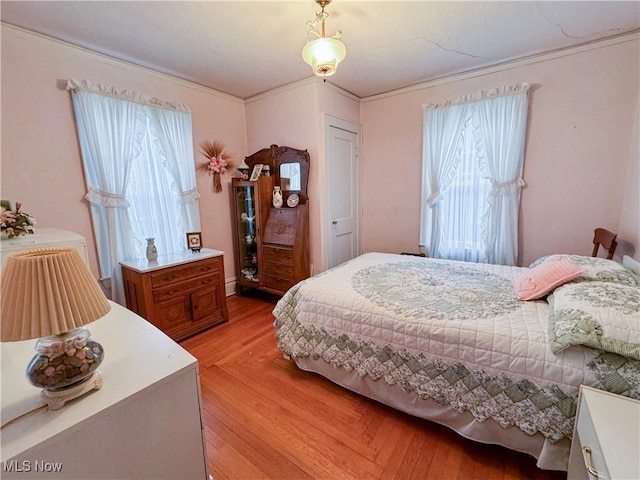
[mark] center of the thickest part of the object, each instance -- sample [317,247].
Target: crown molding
[278,90]
[28,34]
[622,38]
[541,57]
[301,83]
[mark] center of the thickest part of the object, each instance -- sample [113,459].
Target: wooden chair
[607,239]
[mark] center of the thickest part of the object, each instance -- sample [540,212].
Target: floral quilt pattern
[601,315]
[509,402]
[442,291]
[449,332]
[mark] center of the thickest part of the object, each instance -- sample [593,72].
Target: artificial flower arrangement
[218,162]
[15,222]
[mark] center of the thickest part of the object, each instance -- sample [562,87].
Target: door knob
[335,222]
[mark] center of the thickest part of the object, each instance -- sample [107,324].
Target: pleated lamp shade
[48,292]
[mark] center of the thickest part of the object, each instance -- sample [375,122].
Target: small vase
[152,251]
[277,197]
[217,183]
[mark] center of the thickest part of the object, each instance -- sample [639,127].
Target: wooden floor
[265,418]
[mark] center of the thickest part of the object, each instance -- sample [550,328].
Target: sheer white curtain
[155,209]
[108,150]
[502,124]
[175,135]
[137,153]
[464,204]
[440,159]
[473,155]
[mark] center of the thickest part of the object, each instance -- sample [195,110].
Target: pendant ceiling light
[323,53]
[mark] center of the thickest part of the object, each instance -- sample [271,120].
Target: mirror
[289,167]
[290,176]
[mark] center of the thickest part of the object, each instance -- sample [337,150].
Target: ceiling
[244,48]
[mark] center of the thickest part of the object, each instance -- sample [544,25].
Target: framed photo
[194,241]
[255,173]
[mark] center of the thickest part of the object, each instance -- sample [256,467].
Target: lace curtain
[137,153]
[473,153]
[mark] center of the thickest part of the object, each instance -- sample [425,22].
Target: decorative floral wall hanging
[218,162]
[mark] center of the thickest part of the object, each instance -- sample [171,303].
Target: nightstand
[606,437]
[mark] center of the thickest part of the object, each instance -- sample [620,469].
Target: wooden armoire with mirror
[272,244]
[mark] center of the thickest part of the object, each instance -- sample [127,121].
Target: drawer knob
[586,455]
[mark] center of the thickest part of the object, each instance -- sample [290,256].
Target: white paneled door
[343,191]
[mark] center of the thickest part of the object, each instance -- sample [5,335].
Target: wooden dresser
[181,294]
[285,257]
[272,243]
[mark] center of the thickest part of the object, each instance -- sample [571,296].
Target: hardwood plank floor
[267,419]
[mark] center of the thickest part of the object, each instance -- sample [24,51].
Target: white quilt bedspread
[451,331]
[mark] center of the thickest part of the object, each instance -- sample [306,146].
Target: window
[464,204]
[473,152]
[138,161]
[152,197]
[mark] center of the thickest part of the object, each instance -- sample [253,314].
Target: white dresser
[144,423]
[606,437]
[44,238]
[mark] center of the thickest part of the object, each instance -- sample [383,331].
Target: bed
[451,342]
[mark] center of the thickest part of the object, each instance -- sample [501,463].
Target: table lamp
[50,294]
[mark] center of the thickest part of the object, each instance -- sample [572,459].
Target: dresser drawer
[277,283]
[166,293]
[184,272]
[606,438]
[277,254]
[277,269]
[590,448]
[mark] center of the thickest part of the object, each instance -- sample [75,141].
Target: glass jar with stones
[64,360]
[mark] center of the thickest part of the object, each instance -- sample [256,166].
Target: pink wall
[41,163]
[293,116]
[629,216]
[581,158]
[581,164]
[287,117]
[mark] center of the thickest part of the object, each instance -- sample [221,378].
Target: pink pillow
[551,273]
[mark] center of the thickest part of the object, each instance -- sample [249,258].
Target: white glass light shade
[324,55]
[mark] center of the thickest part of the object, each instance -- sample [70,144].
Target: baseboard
[230,286]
